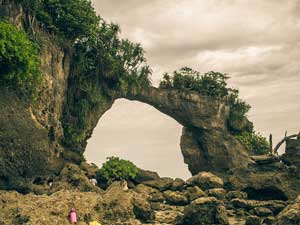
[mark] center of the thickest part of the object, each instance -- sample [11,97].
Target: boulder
[236,194]
[178,185]
[161,184]
[142,210]
[194,192]
[157,197]
[218,193]
[143,189]
[206,180]
[262,211]
[148,193]
[253,220]
[203,211]
[118,204]
[145,175]
[270,220]
[175,198]
[167,217]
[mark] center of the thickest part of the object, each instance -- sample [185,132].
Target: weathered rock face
[206,143]
[30,135]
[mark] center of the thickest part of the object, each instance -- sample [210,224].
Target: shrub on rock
[115,169]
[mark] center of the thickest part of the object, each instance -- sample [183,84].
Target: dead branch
[282,141]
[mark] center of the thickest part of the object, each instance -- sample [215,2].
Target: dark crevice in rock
[267,193]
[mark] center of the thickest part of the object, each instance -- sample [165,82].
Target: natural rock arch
[33,139]
[206,143]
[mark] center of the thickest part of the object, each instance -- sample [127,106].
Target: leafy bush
[116,169]
[254,142]
[209,84]
[19,63]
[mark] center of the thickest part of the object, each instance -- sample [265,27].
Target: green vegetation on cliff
[71,19]
[214,84]
[19,63]
[103,65]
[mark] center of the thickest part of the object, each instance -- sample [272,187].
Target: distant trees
[213,84]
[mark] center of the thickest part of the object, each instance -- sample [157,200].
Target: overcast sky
[257,42]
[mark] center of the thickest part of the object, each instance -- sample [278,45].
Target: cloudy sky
[257,42]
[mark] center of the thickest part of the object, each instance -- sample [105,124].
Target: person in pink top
[73,216]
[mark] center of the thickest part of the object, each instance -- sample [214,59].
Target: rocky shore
[201,200]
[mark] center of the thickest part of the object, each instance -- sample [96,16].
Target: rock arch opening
[140,133]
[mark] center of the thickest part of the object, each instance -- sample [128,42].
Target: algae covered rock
[236,194]
[218,193]
[206,180]
[275,206]
[72,177]
[178,185]
[203,211]
[253,220]
[175,198]
[194,192]
[145,175]
[33,209]
[142,210]
[161,184]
